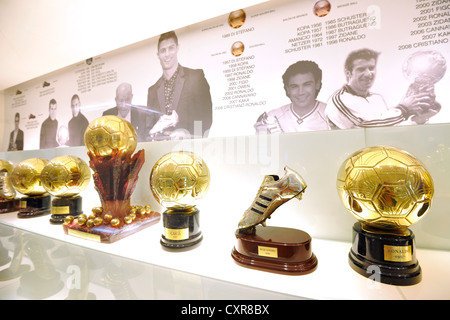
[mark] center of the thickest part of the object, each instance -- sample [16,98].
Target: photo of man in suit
[49,128]
[126,110]
[16,136]
[181,94]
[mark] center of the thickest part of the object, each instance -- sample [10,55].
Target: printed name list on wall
[280,66]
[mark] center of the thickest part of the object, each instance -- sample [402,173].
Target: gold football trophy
[387,190]
[26,179]
[178,180]
[274,249]
[111,141]
[64,178]
[8,200]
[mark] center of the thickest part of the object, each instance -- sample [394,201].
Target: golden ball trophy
[8,200]
[26,179]
[387,190]
[111,141]
[65,177]
[178,180]
[274,249]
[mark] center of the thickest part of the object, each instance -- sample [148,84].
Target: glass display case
[247,112]
[208,269]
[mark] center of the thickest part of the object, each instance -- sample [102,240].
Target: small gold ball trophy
[178,180]
[387,190]
[111,141]
[26,179]
[65,177]
[8,200]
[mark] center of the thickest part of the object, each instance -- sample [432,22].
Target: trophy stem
[116,208]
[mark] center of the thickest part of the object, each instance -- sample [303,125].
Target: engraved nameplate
[397,253]
[267,252]
[176,234]
[84,235]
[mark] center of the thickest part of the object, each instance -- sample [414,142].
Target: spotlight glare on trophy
[178,180]
[65,177]
[8,200]
[387,190]
[111,141]
[26,179]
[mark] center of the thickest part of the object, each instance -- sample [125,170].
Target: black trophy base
[181,229]
[63,207]
[385,257]
[9,205]
[275,249]
[34,206]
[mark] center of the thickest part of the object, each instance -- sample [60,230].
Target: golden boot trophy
[274,249]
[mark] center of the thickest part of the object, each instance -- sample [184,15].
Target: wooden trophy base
[9,205]
[385,257]
[63,207]
[181,229]
[109,234]
[275,249]
[34,206]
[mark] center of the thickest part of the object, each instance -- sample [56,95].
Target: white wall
[40,36]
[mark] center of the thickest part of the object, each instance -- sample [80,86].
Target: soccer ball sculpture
[65,176]
[385,187]
[26,176]
[108,135]
[179,179]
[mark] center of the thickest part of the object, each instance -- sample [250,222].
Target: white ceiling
[41,36]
